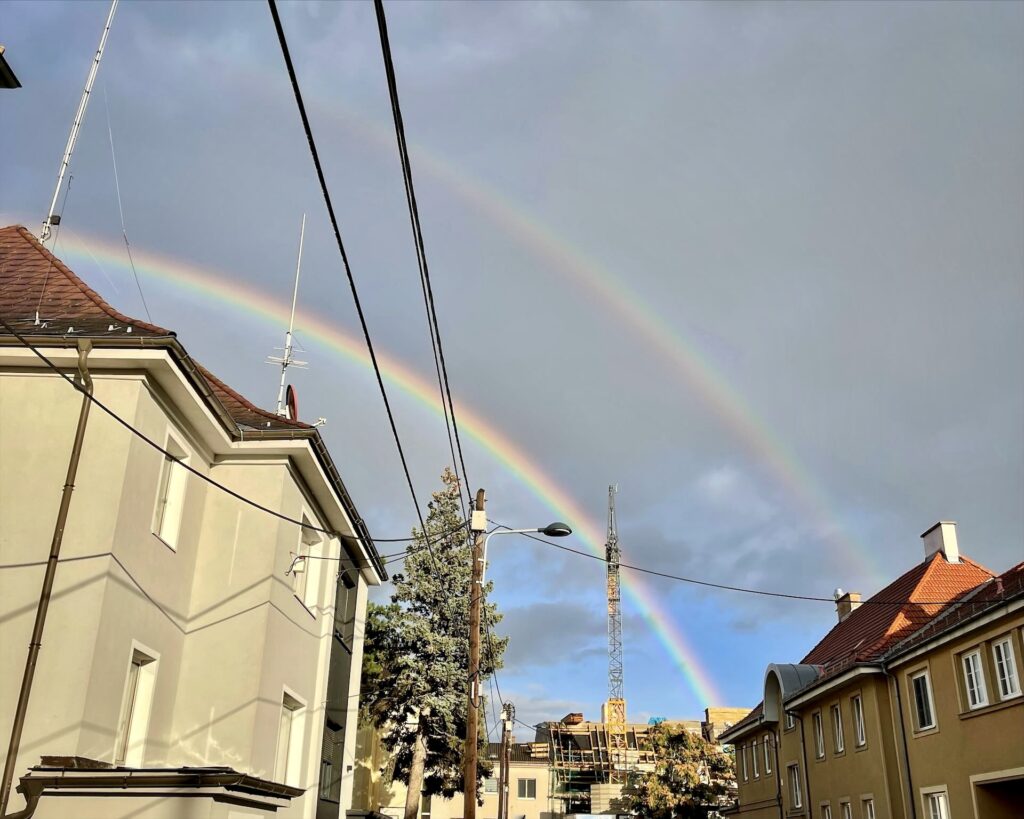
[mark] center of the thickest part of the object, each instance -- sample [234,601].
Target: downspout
[86,388]
[777,741]
[903,741]
[807,772]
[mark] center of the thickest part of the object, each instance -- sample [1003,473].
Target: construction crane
[615,708]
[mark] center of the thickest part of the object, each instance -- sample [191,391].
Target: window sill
[859,748]
[837,754]
[924,732]
[989,709]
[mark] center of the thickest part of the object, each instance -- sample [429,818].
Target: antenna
[52,217]
[286,360]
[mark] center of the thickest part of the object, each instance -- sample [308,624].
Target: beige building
[911,707]
[182,673]
[529,789]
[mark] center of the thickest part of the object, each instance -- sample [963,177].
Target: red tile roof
[34,282]
[916,598]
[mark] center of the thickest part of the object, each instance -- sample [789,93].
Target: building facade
[909,708]
[195,646]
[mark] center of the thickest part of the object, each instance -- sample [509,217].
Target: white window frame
[1007,684]
[867,804]
[846,810]
[912,677]
[790,721]
[819,735]
[172,486]
[973,667]
[490,785]
[291,738]
[796,793]
[838,738]
[935,802]
[860,734]
[527,781]
[136,707]
[826,810]
[767,756]
[743,754]
[753,757]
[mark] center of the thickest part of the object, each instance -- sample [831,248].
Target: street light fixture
[556,529]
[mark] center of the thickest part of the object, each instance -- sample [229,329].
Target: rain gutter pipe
[908,781]
[86,386]
[807,774]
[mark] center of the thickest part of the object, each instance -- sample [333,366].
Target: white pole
[287,358]
[44,234]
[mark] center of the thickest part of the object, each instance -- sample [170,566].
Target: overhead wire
[726,587]
[443,383]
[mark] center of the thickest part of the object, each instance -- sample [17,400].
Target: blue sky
[824,200]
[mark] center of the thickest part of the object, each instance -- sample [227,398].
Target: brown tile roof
[34,282]
[917,597]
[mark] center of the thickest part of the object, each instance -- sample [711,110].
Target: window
[819,736]
[490,785]
[846,810]
[306,573]
[136,704]
[838,741]
[826,812]
[743,757]
[857,705]
[790,721]
[869,808]
[795,793]
[289,740]
[425,806]
[974,679]
[170,496]
[767,756]
[753,756]
[1006,668]
[938,807]
[526,788]
[923,710]
[331,761]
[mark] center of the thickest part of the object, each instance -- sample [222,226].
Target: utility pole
[478,525]
[508,714]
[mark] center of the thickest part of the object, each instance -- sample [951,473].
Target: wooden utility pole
[478,524]
[508,714]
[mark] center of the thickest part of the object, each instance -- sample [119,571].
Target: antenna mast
[287,360]
[53,218]
[615,708]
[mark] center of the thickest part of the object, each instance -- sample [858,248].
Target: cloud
[544,634]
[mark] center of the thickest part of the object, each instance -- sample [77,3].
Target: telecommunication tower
[615,708]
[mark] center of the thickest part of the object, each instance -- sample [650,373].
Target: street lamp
[556,529]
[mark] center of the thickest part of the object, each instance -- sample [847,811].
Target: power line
[315,155]
[742,589]
[421,253]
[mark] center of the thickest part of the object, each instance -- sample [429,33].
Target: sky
[760,265]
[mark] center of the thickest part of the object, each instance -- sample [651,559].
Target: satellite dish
[291,401]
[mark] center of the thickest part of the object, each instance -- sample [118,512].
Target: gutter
[808,809]
[903,742]
[36,642]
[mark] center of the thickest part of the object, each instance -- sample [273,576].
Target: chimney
[942,538]
[846,603]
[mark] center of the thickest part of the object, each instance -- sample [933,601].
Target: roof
[522,752]
[41,296]
[898,610]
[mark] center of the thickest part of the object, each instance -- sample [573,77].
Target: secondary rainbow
[219,287]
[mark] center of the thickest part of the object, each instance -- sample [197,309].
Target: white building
[182,673]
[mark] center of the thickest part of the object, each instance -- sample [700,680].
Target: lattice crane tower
[615,708]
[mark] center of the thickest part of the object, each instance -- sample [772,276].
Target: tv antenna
[285,407]
[53,218]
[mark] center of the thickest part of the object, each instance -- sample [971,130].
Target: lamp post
[476,592]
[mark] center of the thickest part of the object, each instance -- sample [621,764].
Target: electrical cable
[421,253]
[315,155]
[724,587]
[142,436]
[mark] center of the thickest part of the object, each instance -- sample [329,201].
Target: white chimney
[942,538]
[846,603]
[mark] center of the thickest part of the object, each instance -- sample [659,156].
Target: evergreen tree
[417,655]
[690,778]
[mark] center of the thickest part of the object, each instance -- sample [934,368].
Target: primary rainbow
[218,287]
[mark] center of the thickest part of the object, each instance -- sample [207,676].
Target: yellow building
[909,708]
[182,671]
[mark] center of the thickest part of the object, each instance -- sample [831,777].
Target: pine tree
[417,653]
[690,778]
